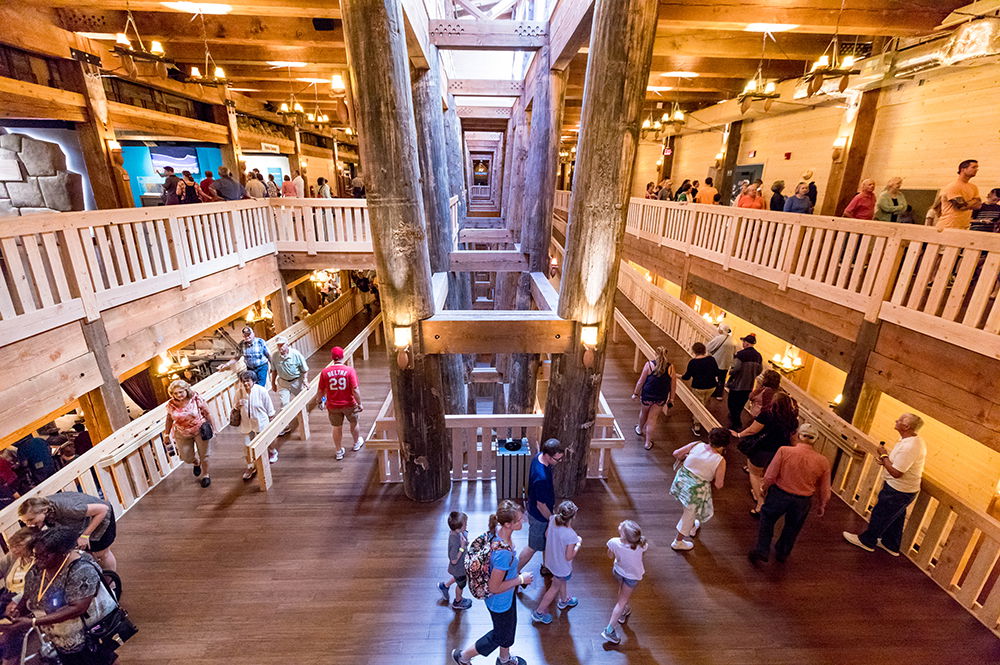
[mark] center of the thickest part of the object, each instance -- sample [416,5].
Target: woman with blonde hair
[503,579]
[656,387]
[91,518]
[14,566]
[891,202]
[562,544]
[187,417]
[256,411]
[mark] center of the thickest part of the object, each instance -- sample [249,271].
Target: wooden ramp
[330,567]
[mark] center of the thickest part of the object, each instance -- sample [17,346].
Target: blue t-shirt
[795,204]
[504,560]
[540,488]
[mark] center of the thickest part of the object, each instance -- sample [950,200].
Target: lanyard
[43,587]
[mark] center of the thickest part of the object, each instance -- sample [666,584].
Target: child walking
[561,547]
[703,465]
[627,550]
[458,540]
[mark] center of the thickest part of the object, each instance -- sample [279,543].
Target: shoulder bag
[112,630]
[235,417]
[749,444]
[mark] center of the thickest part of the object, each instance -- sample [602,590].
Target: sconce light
[837,401]
[588,337]
[114,145]
[402,339]
[839,146]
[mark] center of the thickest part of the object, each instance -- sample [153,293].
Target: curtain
[140,389]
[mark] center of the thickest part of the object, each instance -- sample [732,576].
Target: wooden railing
[63,267]
[297,406]
[955,544]
[938,282]
[474,441]
[480,192]
[126,465]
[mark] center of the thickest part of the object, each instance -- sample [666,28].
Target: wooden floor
[330,567]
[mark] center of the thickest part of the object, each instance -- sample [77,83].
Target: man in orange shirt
[960,198]
[707,192]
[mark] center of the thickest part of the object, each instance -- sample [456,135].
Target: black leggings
[502,635]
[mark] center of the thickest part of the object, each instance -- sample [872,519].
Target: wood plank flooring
[330,567]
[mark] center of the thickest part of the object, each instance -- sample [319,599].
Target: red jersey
[338,382]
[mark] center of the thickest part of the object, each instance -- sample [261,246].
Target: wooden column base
[570,411]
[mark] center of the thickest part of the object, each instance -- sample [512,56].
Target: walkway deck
[331,567]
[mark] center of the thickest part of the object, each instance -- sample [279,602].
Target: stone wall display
[34,177]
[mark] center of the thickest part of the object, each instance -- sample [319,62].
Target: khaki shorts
[186,446]
[703,394]
[288,389]
[338,413]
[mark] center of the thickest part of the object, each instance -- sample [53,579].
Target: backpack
[478,563]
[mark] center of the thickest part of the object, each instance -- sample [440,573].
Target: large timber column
[456,158]
[621,44]
[539,184]
[436,184]
[388,144]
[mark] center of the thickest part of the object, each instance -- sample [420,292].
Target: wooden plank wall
[926,126]
[694,155]
[807,134]
[646,169]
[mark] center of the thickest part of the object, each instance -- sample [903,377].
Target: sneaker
[513,660]
[463,604]
[681,545]
[697,526]
[197,470]
[456,655]
[610,635]
[206,481]
[357,444]
[541,618]
[570,602]
[443,588]
[853,539]
[340,454]
[638,431]
[719,398]
[696,430]
[285,432]
[756,557]
[883,547]
[273,457]
[625,615]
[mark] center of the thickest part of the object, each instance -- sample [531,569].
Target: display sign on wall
[272,148]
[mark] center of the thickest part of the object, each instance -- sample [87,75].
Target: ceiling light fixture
[278,64]
[218,77]
[311,79]
[757,88]
[123,44]
[337,83]
[211,8]
[831,64]
[770,27]
[681,75]
[659,88]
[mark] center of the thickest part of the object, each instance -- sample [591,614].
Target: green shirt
[289,367]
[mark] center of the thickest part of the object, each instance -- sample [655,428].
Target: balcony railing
[941,283]
[66,266]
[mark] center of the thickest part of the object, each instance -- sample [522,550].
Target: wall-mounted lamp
[837,401]
[114,145]
[839,146]
[402,339]
[588,337]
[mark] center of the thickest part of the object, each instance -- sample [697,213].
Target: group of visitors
[689,190]
[493,569]
[184,188]
[190,424]
[34,457]
[53,577]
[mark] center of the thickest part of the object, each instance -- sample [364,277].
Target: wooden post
[854,383]
[108,178]
[845,172]
[295,161]
[106,403]
[621,45]
[456,158]
[232,152]
[435,182]
[536,225]
[376,44]
[731,154]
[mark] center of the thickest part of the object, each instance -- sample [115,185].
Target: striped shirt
[254,352]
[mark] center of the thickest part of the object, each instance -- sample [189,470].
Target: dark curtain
[140,389]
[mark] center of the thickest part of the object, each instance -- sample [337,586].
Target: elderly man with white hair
[723,349]
[902,470]
[290,374]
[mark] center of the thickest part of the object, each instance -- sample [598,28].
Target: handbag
[749,444]
[205,431]
[235,417]
[113,629]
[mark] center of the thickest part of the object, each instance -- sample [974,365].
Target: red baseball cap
[337,353]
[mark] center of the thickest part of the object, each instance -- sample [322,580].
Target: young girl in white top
[703,465]
[627,550]
[256,411]
[561,547]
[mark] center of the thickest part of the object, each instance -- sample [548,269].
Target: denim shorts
[536,533]
[565,578]
[624,580]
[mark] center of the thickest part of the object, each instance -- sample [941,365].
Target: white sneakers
[853,539]
[340,454]
[358,444]
[681,545]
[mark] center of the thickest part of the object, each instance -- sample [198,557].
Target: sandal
[249,473]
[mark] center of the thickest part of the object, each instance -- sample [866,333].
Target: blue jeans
[794,508]
[262,372]
[887,519]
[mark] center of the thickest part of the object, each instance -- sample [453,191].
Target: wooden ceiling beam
[860,17]
[569,29]
[485,87]
[488,35]
[730,44]
[293,8]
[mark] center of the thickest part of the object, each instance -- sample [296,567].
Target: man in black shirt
[747,364]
